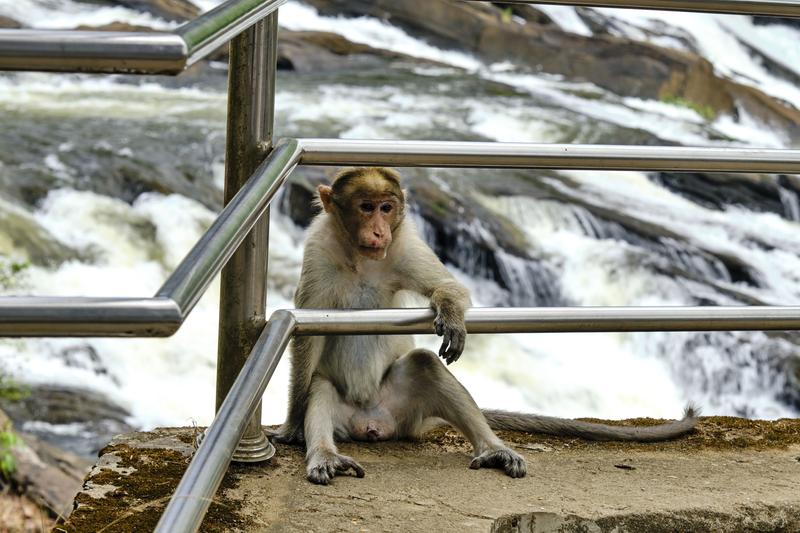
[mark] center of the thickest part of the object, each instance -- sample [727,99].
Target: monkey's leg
[323,461]
[418,387]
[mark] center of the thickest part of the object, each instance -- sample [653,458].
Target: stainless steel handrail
[50,316]
[162,315]
[205,472]
[550,320]
[549,156]
[40,316]
[131,52]
[778,8]
[202,478]
[205,260]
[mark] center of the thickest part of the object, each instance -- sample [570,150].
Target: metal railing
[131,52]
[235,244]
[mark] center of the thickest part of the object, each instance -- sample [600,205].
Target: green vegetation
[705,111]
[10,389]
[506,15]
[8,441]
[10,272]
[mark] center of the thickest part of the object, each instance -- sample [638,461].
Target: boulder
[94,419]
[9,23]
[117,26]
[173,10]
[46,474]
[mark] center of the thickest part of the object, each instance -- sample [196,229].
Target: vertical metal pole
[243,294]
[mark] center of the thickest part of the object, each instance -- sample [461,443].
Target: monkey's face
[372,220]
[368,207]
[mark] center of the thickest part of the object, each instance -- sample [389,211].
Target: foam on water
[669,122]
[160,381]
[67,14]
[719,38]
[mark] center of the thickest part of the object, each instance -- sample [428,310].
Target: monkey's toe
[319,475]
[322,469]
[286,436]
[510,461]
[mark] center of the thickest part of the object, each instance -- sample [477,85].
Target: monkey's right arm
[305,352]
[422,272]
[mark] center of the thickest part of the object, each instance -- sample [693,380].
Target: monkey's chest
[365,294]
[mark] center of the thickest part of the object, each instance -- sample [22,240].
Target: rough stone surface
[730,475]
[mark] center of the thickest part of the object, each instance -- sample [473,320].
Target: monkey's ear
[325,197]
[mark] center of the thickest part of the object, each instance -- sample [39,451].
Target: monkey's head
[367,205]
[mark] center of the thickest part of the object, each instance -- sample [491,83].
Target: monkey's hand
[449,324]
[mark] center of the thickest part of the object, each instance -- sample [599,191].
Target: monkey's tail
[565,427]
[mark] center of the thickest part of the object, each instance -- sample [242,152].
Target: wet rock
[173,10]
[783,21]
[9,23]
[297,196]
[76,420]
[319,51]
[117,26]
[46,474]
[310,51]
[761,193]
[23,237]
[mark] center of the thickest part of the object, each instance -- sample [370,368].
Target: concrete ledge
[730,475]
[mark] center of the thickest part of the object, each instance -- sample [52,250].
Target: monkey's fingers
[504,458]
[446,341]
[438,325]
[457,340]
[347,463]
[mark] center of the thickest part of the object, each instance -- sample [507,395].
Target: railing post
[243,293]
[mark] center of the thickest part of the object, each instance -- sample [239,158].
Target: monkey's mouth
[373,252]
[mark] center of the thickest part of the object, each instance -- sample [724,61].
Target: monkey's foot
[504,458]
[324,465]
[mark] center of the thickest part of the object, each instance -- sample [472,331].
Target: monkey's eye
[367,207]
[386,208]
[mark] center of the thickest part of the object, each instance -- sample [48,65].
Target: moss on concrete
[144,480]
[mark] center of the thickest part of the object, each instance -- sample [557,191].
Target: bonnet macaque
[360,251]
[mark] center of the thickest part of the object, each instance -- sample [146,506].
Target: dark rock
[27,238]
[173,10]
[758,193]
[117,26]
[318,51]
[110,156]
[783,21]
[93,417]
[48,475]
[9,23]
[526,12]
[297,196]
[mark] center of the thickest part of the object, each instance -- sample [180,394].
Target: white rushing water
[171,381]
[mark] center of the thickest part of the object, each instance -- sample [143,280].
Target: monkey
[360,251]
